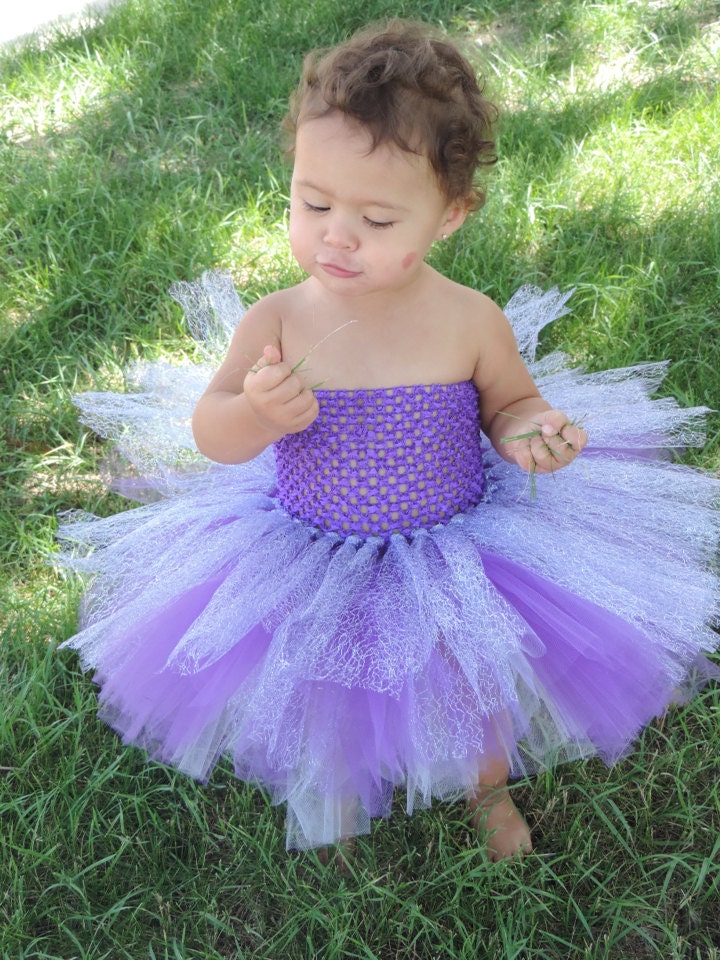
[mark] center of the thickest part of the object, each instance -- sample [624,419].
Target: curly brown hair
[408,86]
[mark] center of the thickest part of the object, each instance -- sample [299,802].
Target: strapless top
[383,461]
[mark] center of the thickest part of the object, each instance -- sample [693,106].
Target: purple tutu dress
[378,602]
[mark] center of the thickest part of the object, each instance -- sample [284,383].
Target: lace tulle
[334,669]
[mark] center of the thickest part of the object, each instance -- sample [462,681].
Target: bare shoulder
[263,322]
[497,344]
[472,305]
[481,321]
[264,315]
[261,326]
[499,373]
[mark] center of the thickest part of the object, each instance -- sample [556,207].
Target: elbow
[221,441]
[200,443]
[206,439]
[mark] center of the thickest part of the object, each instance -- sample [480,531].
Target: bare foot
[500,823]
[341,856]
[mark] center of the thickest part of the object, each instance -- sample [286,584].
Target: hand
[277,395]
[545,443]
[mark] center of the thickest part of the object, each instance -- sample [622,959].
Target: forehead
[338,151]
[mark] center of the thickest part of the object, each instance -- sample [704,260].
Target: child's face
[362,222]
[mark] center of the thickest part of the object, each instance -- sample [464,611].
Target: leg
[495,816]
[343,856]
[344,850]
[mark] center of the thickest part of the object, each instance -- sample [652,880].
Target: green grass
[143,150]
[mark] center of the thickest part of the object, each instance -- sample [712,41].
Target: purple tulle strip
[334,669]
[598,681]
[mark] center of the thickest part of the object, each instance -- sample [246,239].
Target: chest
[377,462]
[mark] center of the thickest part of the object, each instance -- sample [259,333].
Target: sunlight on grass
[264,254]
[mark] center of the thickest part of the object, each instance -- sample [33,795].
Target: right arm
[255,398]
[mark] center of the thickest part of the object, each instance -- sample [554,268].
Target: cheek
[296,235]
[292,231]
[408,260]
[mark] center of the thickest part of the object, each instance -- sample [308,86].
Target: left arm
[511,406]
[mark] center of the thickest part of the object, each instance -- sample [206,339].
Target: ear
[454,218]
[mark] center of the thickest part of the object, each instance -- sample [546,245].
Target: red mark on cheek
[408,260]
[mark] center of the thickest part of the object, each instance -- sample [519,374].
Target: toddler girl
[358,593]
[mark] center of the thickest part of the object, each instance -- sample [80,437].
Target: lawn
[140,147]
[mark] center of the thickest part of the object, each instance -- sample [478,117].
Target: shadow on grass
[178,141]
[103,213]
[179,133]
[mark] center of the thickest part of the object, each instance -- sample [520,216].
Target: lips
[337,271]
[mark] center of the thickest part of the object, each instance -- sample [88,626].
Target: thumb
[271,354]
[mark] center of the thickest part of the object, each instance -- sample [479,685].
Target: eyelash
[374,224]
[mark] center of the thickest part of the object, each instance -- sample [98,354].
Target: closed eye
[379,224]
[314,208]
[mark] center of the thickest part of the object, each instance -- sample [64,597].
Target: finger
[572,438]
[576,436]
[270,355]
[550,454]
[273,376]
[293,388]
[557,425]
[301,411]
[553,422]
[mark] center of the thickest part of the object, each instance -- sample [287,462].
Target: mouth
[336,271]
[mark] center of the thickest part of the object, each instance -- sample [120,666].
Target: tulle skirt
[531,629]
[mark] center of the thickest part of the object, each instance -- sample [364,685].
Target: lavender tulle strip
[334,671]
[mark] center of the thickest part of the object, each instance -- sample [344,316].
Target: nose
[339,233]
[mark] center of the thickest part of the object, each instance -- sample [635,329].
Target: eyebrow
[381,204]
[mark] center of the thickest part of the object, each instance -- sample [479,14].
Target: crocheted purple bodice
[377,462]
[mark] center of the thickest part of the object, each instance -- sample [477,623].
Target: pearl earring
[444,237]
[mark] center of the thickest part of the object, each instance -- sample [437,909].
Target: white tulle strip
[643,533]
